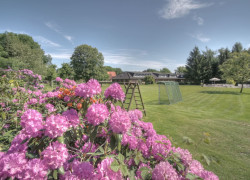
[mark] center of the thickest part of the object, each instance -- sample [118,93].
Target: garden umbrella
[214,79]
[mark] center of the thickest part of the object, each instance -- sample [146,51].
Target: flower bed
[75,132]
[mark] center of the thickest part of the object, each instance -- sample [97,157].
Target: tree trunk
[241,87]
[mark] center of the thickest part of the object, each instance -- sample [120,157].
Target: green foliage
[51,73]
[181,69]
[237,68]
[66,71]
[150,70]
[165,70]
[20,51]
[87,62]
[149,80]
[237,47]
[116,70]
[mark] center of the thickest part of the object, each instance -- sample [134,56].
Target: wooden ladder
[133,92]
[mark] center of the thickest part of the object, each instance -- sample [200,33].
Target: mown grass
[224,113]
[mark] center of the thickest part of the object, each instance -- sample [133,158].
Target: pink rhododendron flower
[159,144]
[58,79]
[120,122]
[66,98]
[186,156]
[35,169]
[83,170]
[55,155]
[56,125]
[72,117]
[50,107]
[32,122]
[32,101]
[12,165]
[89,89]
[97,113]
[105,172]
[115,91]
[163,171]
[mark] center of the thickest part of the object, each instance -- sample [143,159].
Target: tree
[150,70]
[165,70]
[20,51]
[116,70]
[198,66]
[181,70]
[51,73]
[237,68]
[87,62]
[149,80]
[66,71]
[237,47]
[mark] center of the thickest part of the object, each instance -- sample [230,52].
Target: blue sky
[132,34]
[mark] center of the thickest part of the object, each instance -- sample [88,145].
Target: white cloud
[201,37]
[136,60]
[199,20]
[56,28]
[60,55]
[248,45]
[46,42]
[179,8]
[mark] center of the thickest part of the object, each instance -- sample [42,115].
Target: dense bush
[149,80]
[75,132]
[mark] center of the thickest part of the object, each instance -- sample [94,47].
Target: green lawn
[222,112]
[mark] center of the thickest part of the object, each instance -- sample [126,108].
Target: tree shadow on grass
[224,92]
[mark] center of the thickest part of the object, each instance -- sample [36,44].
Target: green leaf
[3,115]
[124,170]
[112,142]
[25,140]
[55,174]
[115,166]
[61,170]
[121,158]
[192,177]
[187,140]
[146,175]
[93,134]
[60,139]
[31,156]
[206,159]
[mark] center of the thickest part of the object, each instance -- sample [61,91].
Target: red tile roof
[111,74]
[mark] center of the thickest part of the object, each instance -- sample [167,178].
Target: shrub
[149,80]
[97,140]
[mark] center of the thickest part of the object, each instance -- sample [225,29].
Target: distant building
[111,74]
[139,76]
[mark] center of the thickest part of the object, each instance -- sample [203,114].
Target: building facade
[127,77]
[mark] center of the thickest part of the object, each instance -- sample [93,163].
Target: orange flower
[79,106]
[82,100]
[69,104]
[60,96]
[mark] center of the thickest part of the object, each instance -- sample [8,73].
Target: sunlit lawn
[222,112]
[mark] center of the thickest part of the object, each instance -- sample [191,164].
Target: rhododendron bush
[78,132]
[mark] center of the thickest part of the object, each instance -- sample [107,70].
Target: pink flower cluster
[97,113]
[115,91]
[58,79]
[50,107]
[56,125]
[55,155]
[72,117]
[32,122]
[120,122]
[89,89]
[105,172]
[163,171]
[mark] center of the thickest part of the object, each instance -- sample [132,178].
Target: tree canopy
[87,62]
[165,70]
[237,68]
[66,71]
[20,51]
